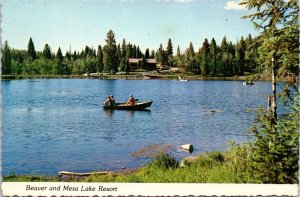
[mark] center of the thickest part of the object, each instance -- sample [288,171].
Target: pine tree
[99,64]
[190,60]
[59,55]
[138,52]
[47,52]
[161,56]
[119,56]
[178,51]
[169,48]
[152,54]
[225,56]
[170,52]
[123,49]
[276,148]
[241,50]
[205,60]
[31,50]
[134,54]
[147,53]
[110,53]
[251,55]
[213,52]
[6,59]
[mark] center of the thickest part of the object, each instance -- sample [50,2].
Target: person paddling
[112,100]
[131,100]
[108,101]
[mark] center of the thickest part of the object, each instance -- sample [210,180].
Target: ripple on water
[55,124]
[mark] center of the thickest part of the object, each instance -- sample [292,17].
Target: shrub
[276,150]
[164,161]
[217,156]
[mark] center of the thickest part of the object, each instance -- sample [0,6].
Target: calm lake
[51,125]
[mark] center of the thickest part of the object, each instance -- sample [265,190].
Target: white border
[149,189]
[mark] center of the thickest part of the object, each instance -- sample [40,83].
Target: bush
[217,156]
[238,159]
[164,161]
[276,150]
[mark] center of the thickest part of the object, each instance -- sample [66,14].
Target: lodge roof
[136,60]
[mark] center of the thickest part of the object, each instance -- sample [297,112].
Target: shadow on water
[110,112]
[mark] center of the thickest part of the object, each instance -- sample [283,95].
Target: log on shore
[66,173]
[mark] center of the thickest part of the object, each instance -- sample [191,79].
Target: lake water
[51,125]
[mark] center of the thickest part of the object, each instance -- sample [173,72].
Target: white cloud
[234,5]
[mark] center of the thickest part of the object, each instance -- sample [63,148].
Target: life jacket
[131,101]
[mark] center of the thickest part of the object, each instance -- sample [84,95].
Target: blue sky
[146,23]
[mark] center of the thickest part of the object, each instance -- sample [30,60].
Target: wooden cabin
[134,63]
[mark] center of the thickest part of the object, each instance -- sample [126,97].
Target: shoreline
[160,169]
[131,76]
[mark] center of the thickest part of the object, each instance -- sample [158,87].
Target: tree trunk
[274,105]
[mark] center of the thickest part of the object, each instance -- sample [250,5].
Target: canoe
[248,83]
[124,106]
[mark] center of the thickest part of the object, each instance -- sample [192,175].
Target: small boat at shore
[248,83]
[181,79]
[125,106]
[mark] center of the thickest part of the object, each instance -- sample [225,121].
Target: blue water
[51,125]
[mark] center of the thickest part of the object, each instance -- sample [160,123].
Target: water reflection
[132,112]
[109,112]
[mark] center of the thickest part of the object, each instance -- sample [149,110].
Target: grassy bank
[212,167]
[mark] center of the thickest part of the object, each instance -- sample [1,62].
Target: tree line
[210,59]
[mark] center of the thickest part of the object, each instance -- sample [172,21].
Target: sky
[147,23]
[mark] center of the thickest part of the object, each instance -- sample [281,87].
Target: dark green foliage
[178,51]
[228,59]
[139,54]
[170,48]
[240,55]
[164,161]
[152,54]
[31,50]
[279,36]
[161,56]
[47,52]
[205,58]
[276,149]
[123,49]
[213,53]
[59,55]
[99,64]
[147,53]
[134,51]
[170,52]
[217,156]
[6,59]
[190,59]
[110,59]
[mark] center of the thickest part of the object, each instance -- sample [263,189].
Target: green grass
[212,167]
[28,178]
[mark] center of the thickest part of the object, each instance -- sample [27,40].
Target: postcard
[150,97]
